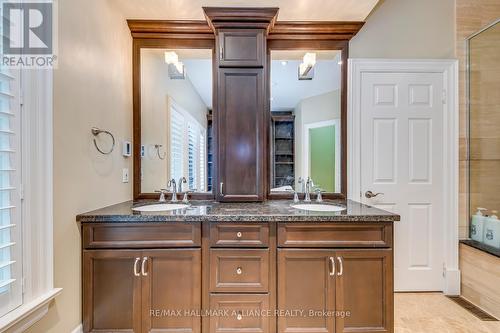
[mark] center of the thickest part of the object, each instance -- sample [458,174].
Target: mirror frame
[290,35]
[164,35]
[283,44]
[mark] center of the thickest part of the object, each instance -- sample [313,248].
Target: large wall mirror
[306,121]
[175,119]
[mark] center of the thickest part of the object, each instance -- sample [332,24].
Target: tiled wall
[471,16]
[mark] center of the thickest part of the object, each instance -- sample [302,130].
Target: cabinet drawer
[239,234]
[144,235]
[334,235]
[239,270]
[236,313]
[241,47]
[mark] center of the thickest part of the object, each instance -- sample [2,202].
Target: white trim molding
[449,70]
[78,329]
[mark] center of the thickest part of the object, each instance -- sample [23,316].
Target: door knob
[370,194]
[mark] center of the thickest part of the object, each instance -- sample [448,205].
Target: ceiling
[290,10]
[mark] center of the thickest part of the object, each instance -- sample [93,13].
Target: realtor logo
[28,33]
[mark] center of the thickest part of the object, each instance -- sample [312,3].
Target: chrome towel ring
[96,131]
[160,156]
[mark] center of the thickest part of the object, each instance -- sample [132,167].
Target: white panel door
[402,158]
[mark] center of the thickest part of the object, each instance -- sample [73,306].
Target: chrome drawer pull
[144,273]
[239,271]
[239,316]
[136,271]
[341,265]
[332,268]
[239,234]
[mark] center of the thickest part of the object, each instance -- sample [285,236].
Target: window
[187,148]
[176,143]
[10,198]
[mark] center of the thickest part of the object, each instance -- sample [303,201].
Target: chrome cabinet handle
[239,234]
[341,266]
[332,268]
[239,316]
[136,271]
[239,271]
[221,188]
[143,265]
[370,194]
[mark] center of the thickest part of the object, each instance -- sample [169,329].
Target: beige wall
[407,29]
[92,87]
[157,90]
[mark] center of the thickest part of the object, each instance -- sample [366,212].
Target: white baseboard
[78,329]
[452,282]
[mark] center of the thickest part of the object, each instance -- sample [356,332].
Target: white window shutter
[10,192]
[176,143]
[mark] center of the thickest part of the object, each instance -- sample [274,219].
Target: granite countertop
[269,211]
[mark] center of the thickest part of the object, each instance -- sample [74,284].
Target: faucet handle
[162,194]
[319,197]
[185,199]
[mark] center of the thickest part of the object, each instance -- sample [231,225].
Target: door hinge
[21,191]
[444,269]
[444,97]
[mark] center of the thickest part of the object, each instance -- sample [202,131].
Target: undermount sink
[163,207]
[319,207]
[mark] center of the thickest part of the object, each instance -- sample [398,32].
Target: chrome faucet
[182,180]
[173,187]
[309,184]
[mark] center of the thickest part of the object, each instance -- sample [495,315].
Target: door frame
[449,70]
[306,152]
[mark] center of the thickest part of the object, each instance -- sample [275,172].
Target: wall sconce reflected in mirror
[160,155]
[306,68]
[176,69]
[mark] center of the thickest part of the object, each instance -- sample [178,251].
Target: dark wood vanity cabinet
[127,290]
[353,286]
[240,126]
[339,274]
[241,47]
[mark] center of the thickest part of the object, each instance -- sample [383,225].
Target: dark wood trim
[171,43]
[170,29]
[308,30]
[199,29]
[241,17]
[200,34]
[314,44]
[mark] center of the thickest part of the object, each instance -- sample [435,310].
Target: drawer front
[241,48]
[239,270]
[239,235]
[375,234]
[143,235]
[234,313]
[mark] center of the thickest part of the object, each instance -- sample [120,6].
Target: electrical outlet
[125,175]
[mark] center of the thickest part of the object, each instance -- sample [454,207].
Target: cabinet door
[171,291]
[305,283]
[241,133]
[241,47]
[111,291]
[364,287]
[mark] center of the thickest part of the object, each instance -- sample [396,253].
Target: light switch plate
[125,175]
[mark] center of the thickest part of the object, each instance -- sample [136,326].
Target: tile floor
[434,313]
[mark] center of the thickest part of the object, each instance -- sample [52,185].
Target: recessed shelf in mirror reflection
[176,105]
[305,120]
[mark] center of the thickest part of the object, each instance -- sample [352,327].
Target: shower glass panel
[484,123]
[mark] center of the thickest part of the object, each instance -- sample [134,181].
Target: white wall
[92,87]
[156,88]
[312,110]
[407,29]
